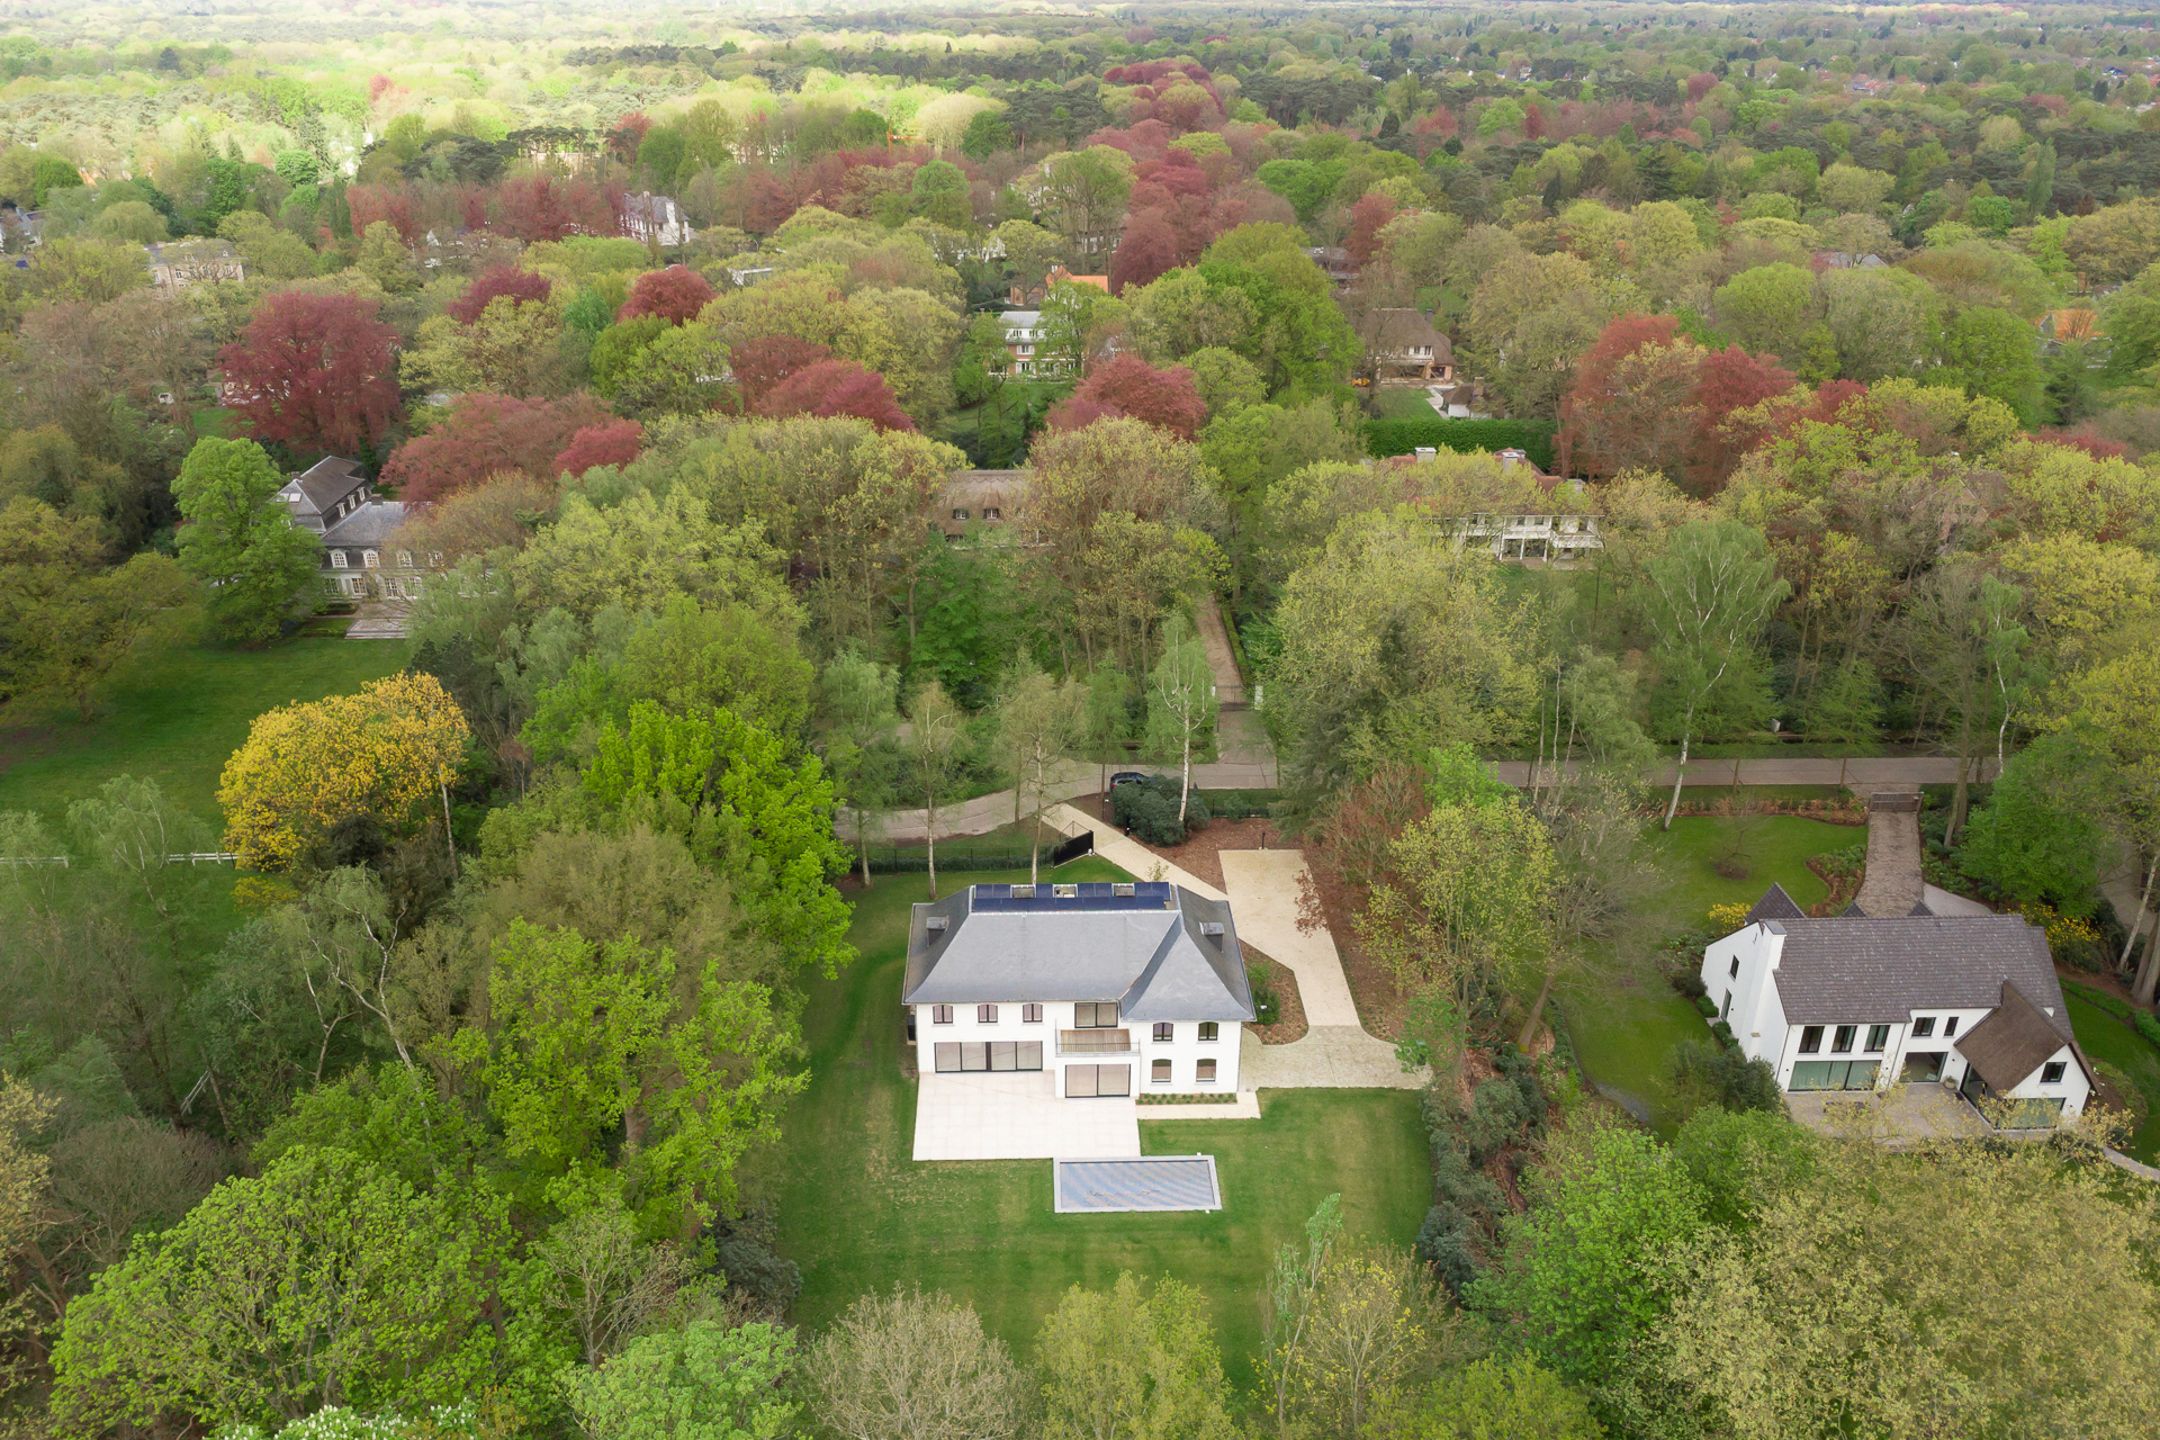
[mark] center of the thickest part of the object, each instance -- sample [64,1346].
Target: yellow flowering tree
[386,754]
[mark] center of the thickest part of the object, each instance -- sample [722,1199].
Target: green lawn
[1625,1022]
[1402,403]
[174,715]
[857,1213]
[2106,1038]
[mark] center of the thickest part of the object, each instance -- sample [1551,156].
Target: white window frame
[337,560]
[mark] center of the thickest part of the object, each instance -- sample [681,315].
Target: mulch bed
[1201,854]
[1844,884]
[1380,1005]
[1290,1007]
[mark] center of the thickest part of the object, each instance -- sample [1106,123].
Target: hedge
[1401,437]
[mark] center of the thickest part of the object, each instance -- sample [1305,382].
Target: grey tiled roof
[372,524]
[326,482]
[1149,952]
[1841,971]
[1776,905]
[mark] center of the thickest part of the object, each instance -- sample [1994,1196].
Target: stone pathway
[1128,854]
[1892,883]
[1222,660]
[1334,1052]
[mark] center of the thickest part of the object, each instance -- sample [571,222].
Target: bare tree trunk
[1537,1006]
[930,833]
[1672,808]
[2144,981]
[1185,784]
[862,842]
[448,838]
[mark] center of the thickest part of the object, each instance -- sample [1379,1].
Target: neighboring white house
[1855,1002]
[361,551]
[1024,335]
[657,220]
[1115,989]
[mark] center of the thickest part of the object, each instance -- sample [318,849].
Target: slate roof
[1848,971]
[1147,950]
[324,483]
[371,524]
[2015,1041]
[1776,905]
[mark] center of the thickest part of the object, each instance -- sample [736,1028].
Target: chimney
[935,923]
[1427,452]
[1511,458]
[1212,929]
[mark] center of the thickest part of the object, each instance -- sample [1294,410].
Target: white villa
[1855,1002]
[362,556]
[1104,990]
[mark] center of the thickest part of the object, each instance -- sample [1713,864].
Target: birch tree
[932,746]
[1038,720]
[1710,594]
[1964,641]
[1181,704]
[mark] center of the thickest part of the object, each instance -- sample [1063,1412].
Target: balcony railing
[1095,1042]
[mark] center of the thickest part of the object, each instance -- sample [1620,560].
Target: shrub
[1443,1242]
[1690,984]
[1149,810]
[1724,919]
[1708,1007]
[1266,1003]
[1724,1033]
[1720,1075]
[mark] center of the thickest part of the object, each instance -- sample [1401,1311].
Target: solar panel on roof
[1086,895]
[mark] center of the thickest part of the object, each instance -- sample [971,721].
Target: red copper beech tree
[1130,386]
[314,371]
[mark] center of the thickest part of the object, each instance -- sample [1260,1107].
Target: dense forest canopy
[767,452]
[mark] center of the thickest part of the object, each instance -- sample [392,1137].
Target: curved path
[987,812]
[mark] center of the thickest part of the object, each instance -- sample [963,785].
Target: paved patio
[1018,1116]
[1904,1114]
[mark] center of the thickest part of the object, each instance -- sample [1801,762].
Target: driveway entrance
[1018,1116]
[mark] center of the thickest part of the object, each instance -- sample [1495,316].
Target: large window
[961,1056]
[1841,1039]
[1095,1015]
[1834,1074]
[1810,1039]
[1164,1030]
[1923,1027]
[1877,1037]
[1085,1082]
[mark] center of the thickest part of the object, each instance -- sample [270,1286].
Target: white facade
[1861,1051]
[1162,1057]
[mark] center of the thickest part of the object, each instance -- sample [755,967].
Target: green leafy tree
[1132,1362]
[706,1381]
[757,811]
[65,620]
[1708,596]
[1496,1398]
[1992,352]
[322,1281]
[239,541]
[1823,1321]
[621,1049]
[1586,1274]
[859,718]
[2038,838]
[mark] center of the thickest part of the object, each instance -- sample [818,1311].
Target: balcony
[1095,1042]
